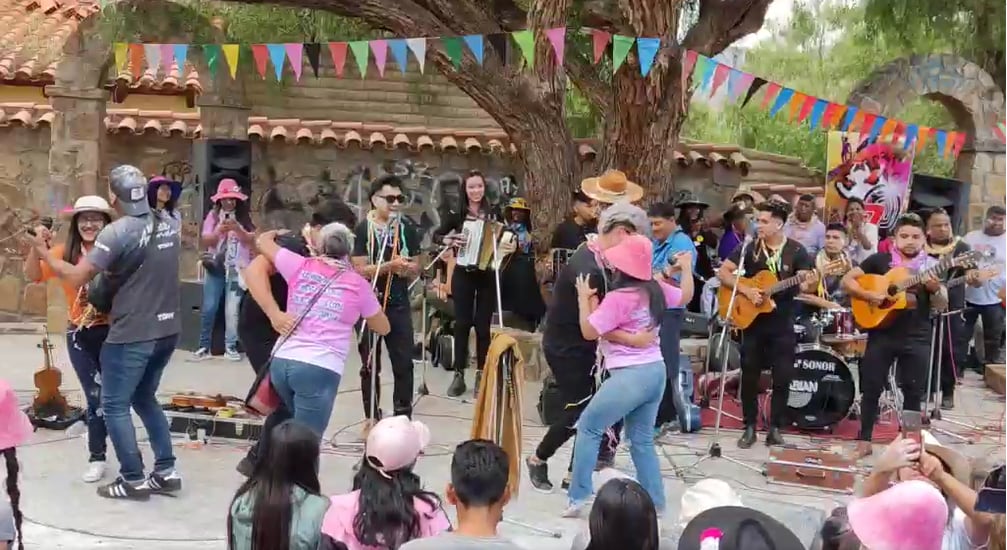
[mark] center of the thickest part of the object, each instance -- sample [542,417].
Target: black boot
[457,386]
[747,438]
[774,437]
[475,389]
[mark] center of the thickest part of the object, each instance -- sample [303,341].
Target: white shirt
[956,536]
[996,247]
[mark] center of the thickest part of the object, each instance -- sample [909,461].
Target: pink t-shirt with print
[338,522]
[324,336]
[628,309]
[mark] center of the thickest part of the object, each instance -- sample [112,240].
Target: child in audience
[280,507]
[478,489]
[14,430]
[622,517]
[388,506]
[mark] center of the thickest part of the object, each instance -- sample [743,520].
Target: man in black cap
[139,254]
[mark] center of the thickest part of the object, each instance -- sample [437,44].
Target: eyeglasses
[390,199]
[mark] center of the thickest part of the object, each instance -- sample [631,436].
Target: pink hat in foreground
[910,515]
[632,256]
[15,427]
[395,443]
[228,189]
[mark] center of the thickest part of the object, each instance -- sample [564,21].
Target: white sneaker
[232,355]
[95,472]
[200,354]
[577,510]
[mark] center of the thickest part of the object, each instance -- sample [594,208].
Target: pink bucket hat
[15,427]
[907,516]
[229,189]
[632,256]
[395,443]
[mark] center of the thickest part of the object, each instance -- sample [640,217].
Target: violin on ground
[48,400]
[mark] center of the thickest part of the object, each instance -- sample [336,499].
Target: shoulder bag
[262,399]
[101,290]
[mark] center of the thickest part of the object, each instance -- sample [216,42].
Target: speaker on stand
[952,195]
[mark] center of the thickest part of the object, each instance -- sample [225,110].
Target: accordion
[481,242]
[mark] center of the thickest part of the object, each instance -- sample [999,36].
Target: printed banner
[876,171]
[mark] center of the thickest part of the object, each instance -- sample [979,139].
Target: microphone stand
[423,391]
[371,362]
[942,325]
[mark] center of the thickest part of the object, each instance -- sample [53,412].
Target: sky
[779,12]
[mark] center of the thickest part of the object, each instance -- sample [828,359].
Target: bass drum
[822,390]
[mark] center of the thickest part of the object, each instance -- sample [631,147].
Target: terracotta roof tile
[32,36]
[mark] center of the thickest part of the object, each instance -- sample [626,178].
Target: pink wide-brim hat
[910,515]
[15,427]
[228,189]
[633,256]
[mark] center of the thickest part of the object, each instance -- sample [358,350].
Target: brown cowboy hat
[611,187]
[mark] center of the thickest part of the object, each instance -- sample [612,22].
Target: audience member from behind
[15,428]
[907,516]
[478,490]
[388,506]
[737,528]
[280,507]
[622,517]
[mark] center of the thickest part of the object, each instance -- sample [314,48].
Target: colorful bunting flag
[621,45]
[957,144]
[136,60]
[600,40]
[231,53]
[380,50]
[772,90]
[314,54]
[211,53]
[557,37]
[910,136]
[419,48]
[738,82]
[277,55]
[818,112]
[153,54]
[360,49]
[926,133]
[888,128]
[851,113]
[941,138]
[720,73]
[167,56]
[806,107]
[782,99]
[399,53]
[875,126]
[757,84]
[338,52]
[707,75]
[526,41]
[475,44]
[181,52]
[795,104]
[121,55]
[453,49]
[646,52]
[295,53]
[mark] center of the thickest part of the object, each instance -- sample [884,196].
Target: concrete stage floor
[63,512]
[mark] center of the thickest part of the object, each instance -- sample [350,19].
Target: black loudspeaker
[216,159]
[192,320]
[935,192]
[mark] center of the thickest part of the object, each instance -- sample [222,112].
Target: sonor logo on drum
[807,364]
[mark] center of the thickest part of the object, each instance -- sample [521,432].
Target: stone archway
[971,97]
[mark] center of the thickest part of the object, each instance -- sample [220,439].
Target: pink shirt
[627,309]
[324,336]
[338,522]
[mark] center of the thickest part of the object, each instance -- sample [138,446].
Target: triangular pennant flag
[380,50]
[646,51]
[795,104]
[360,49]
[734,81]
[399,49]
[261,56]
[837,116]
[338,52]
[475,44]
[828,115]
[181,52]
[211,54]
[926,133]
[699,69]
[910,136]
[809,103]
[231,54]
[600,40]
[557,37]
[757,83]
[295,53]
[708,69]
[136,60]
[153,54]
[501,44]
[858,122]
[278,55]
[875,126]
[720,73]
[526,41]
[453,49]
[772,90]
[620,49]
[167,56]
[818,112]
[957,144]
[313,51]
[851,113]
[419,48]
[888,127]
[941,138]
[688,63]
[121,55]
[781,99]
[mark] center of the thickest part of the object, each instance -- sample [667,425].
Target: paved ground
[63,512]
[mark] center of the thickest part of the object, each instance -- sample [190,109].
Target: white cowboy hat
[89,203]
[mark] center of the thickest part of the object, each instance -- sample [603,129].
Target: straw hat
[89,203]
[957,463]
[611,187]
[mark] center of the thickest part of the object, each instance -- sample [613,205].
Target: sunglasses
[400,199]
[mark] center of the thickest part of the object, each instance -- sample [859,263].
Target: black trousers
[474,295]
[993,328]
[767,348]
[912,353]
[953,354]
[258,343]
[399,343]
[576,386]
[671,337]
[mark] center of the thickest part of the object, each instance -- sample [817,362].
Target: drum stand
[941,326]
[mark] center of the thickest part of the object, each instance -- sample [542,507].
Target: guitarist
[907,338]
[769,342]
[942,242]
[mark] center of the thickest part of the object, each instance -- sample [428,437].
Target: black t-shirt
[562,327]
[793,258]
[956,295]
[570,234]
[369,241]
[908,322]
[251,319]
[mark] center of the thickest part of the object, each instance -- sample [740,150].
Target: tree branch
[587,78]
[721,22]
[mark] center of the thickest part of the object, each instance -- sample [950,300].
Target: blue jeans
[131,374]
[215,286]
[84,348]
[307,390]
[630,393]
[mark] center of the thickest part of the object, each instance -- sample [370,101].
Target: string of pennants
[709,75]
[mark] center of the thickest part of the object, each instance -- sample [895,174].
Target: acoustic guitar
[894,285]
[745,312]
[48,400]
